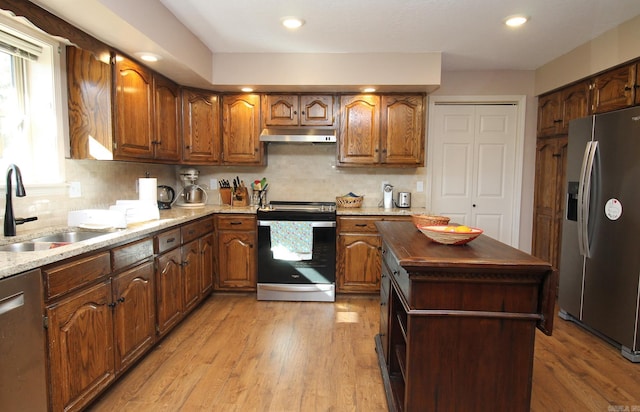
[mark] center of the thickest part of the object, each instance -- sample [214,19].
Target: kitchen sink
[68,237]
[49,241]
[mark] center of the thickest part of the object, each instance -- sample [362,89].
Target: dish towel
[292,240]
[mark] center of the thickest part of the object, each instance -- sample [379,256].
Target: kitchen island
[457,323]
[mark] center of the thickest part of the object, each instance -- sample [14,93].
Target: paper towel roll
[148,188]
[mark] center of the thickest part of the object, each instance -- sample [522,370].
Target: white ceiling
[469,33]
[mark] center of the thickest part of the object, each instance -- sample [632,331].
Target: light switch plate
[75,189]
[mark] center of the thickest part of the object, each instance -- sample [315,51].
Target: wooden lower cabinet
[359,254]
[134,314]
[549,193]
[237,252]
[97,331]
[191,274]
[168,290]
[81,349]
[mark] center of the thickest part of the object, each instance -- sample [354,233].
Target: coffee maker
[387,196]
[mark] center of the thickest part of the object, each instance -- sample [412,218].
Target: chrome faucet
[10,221]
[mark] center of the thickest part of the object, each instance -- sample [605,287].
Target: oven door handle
[313,224]
[292,287]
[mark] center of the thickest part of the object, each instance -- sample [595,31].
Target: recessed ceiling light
[292,22]
[515,21]
[369,90]
[247,89]
[149,57]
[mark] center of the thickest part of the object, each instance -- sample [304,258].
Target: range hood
[282,135]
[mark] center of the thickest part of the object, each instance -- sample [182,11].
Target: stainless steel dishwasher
[22,344]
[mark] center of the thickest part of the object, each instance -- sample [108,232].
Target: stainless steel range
[297,251]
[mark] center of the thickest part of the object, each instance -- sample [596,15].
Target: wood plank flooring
[237,354]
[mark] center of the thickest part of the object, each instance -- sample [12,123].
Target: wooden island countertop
[457,323]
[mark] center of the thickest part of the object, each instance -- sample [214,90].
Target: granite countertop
[379,211]
[12,263]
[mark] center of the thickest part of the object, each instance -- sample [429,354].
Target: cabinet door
[241,130]
[134,110]
[549,114]
[359,263]
[636,85]
[359,130]
[80,343]
[167,143]
[169,294]
[201,127]
[549,198]
[191,274]
[281,110]
[207,248]
[316,110]
[402,130]
[134,315]
[89,86]
[575,104]
[236,260]
[614,89]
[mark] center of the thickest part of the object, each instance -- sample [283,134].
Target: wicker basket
[349,201]
[429,220]
[441,234]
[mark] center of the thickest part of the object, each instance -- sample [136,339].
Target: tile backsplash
[294,171]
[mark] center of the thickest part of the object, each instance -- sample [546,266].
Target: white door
[474,166]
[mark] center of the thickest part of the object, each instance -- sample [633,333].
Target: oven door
[310,278]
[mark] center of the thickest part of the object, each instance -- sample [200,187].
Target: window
[30,105]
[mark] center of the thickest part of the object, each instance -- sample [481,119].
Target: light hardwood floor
[237,354]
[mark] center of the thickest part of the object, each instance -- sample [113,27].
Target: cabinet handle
[235,223]
[361,225]
[171,240]
[556,155]
[395,273]
[627,88]
[112,304]
[558,121]
[121,300]
[382,303]
[184,263]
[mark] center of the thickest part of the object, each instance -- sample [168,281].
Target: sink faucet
[10,221]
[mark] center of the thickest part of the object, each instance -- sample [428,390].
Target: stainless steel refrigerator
[600,260]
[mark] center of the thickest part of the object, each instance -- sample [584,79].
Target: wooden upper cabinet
[359,142]
[298,110]
[201,127]
[614,89]
[574,103]
[133,110]
[89,101]
[167,142]
[557,109]
[241,130]
[636,86]
[549,114]
[402,130]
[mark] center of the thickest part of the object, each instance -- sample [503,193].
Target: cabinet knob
[295,112]
[121,300]
[112,304]
[188,147]
[627,88]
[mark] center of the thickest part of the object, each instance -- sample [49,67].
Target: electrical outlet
[419,186]
[213,184]
[75,190]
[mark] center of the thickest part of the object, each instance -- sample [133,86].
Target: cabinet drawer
[236,222]
[357,224]
[396,271]
[196,229]
[71,275]
[131,253]
[167,240]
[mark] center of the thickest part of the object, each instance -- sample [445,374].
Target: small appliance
[166,196]
[387,196]
[404,199]
[192,195]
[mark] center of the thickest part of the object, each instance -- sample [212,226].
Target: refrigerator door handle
[584,196]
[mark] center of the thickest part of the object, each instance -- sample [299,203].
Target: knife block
[225,195]
[240,197]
